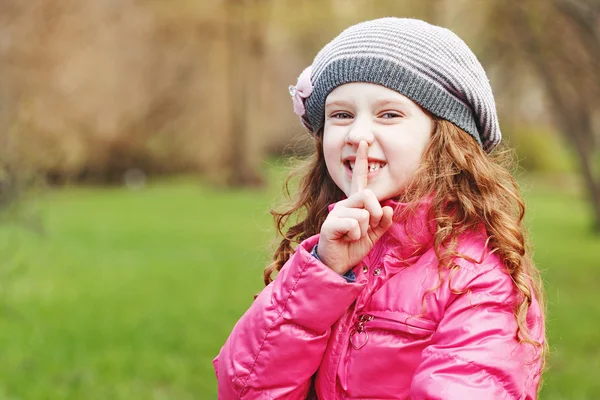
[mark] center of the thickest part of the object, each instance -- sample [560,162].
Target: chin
[382,196]
[385,197]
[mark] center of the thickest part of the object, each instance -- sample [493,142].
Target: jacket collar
[412,231]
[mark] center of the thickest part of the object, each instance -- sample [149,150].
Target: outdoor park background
[143,142]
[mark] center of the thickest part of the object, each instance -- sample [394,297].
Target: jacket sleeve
[474,353]
[278,344]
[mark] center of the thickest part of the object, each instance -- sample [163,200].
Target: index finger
[361,168]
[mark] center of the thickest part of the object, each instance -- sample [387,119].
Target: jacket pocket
[395,322]
[399,321]
[385,350]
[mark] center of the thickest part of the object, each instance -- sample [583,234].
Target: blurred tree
[560,40]
[8,171]
[16,178]
[245,42]
[201,86]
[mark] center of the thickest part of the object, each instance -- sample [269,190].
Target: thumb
[384,223]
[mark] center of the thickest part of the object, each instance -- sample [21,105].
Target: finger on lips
[360,172]
[360,197]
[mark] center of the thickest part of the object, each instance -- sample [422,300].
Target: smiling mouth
[373,166]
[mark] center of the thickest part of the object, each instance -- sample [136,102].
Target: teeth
[373,166]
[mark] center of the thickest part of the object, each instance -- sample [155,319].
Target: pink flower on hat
[301,91]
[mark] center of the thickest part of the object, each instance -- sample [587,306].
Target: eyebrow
[386,102]
[379,103]
[337,103]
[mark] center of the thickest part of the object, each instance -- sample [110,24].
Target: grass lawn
[130,294]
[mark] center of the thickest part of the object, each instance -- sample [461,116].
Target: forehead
[355,91]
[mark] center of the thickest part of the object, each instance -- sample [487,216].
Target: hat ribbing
[428,64]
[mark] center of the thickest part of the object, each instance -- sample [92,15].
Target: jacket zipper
[359,335]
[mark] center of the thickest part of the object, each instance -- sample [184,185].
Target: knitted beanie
[426,63]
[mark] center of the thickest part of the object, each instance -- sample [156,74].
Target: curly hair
[467,188]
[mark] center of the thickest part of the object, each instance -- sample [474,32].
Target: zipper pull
[359,336]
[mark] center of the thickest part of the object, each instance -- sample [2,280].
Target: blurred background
[143,142]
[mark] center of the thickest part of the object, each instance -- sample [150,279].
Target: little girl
[411,277]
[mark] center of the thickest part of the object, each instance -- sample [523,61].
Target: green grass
[130,294]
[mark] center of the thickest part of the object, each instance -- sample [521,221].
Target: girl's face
[396,129]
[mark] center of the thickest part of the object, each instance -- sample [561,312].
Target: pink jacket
[395,333]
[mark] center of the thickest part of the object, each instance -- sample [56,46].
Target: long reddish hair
[468,188]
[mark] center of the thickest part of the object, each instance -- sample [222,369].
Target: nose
[361,129]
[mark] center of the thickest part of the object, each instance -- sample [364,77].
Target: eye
[391,114]
[341,115]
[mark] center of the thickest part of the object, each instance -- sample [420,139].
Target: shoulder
[477,268]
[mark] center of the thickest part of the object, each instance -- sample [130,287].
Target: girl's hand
[354,225]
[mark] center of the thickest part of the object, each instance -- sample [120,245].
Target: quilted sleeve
[278,344]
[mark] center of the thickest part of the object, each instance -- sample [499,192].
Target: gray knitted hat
[426,63]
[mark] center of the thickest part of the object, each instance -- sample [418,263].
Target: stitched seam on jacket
[483,368]
[242,380]
[271,326]
[477,269]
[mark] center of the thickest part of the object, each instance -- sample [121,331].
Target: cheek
[407,167]
[418,146]
[406,162]
[331,151]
